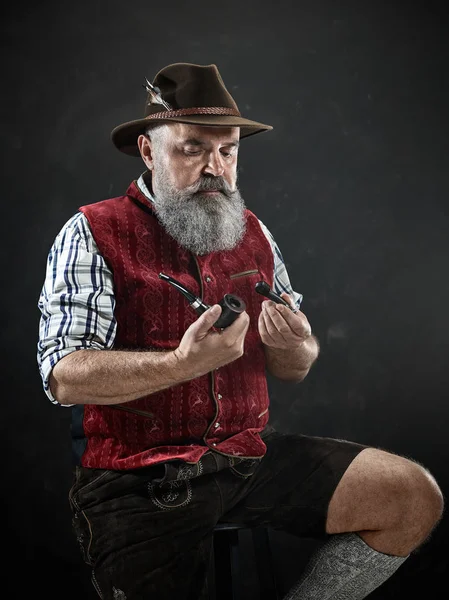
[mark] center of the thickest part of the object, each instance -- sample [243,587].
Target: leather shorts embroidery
[244,468]
[172,494]
[181,471]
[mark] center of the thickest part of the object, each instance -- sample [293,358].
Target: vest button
[219,396]
[208,279]
[214,444]
[217,425]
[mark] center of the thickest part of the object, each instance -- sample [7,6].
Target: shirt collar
[144,188]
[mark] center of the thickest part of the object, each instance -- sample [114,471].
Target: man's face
[191,151]
[194,181]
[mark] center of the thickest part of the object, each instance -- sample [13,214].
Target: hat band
[203,110]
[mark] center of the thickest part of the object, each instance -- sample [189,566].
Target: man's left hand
[281,328]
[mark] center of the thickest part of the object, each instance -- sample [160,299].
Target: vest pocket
[244,274]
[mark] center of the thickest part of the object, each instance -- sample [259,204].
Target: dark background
[352,181]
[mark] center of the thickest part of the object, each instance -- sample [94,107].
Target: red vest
[224,410]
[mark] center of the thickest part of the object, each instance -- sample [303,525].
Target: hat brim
[124,136]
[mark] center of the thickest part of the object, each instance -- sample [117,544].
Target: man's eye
[192,152]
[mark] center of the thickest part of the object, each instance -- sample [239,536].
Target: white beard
[201,223]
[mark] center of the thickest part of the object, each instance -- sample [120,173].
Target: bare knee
[393,502]
[425,499]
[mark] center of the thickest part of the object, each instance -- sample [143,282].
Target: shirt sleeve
[76,301]
[281,278]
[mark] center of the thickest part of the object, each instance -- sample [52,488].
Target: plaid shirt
[77,299]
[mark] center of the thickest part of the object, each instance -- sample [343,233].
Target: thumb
[206,321]
[289,300]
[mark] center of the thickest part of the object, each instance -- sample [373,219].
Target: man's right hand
[119,376]
[203,349]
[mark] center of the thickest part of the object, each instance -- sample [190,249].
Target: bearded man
[171,431]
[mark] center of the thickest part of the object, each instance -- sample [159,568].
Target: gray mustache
[215,184]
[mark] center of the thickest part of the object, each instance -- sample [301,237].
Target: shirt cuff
[48,364]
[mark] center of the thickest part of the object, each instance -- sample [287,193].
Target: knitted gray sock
[344,568]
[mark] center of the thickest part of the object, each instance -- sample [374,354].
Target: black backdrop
[352,181]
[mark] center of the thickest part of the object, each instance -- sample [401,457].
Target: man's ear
[146,150]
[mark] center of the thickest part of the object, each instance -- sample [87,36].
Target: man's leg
[384,508]
[144,540]
[371,507]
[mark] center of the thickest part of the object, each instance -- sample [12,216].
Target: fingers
[290,301]
[201,327]
[280,321]
[240,325]
[263,330]
[276,326]
[296,320]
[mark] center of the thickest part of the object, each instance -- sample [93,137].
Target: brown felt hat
[185,93]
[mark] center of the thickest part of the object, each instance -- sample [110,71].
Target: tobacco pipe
[264,289]
[231,305]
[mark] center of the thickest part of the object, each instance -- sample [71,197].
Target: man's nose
[214,165]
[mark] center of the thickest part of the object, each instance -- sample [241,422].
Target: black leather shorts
[147,533]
